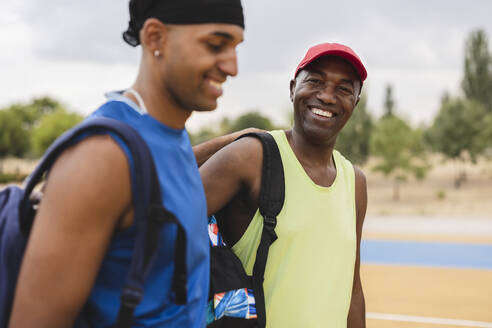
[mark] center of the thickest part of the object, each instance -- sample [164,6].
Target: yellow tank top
[310,267]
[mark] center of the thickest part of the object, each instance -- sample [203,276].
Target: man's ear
[358,94]
[153,35]
[292,88]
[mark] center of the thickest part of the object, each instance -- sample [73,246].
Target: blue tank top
[183,194]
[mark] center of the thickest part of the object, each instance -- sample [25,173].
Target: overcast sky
[73,51]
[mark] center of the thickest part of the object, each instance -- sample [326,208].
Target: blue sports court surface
[420,272]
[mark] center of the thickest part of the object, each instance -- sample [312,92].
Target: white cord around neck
[140,101]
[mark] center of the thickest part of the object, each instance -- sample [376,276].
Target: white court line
[437,321]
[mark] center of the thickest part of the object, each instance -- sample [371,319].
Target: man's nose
[327,95]
[228,63]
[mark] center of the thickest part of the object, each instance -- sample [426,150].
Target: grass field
[436,194]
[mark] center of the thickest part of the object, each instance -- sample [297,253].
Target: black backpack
[17,214]
[236,299]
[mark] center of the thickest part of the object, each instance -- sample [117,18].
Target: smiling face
[197,60]
[324,95]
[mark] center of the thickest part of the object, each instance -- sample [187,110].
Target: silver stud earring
[157,53]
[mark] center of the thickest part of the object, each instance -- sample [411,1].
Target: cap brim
[356,63]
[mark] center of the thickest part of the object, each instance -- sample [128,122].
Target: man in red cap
[312,273]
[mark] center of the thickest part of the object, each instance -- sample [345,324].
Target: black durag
[181,12]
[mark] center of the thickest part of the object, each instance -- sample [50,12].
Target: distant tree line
[462,128]
[460,131]
[27,129]
[250,119]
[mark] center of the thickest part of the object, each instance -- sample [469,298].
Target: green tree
[251,120]
[477,80]
[398,150]
[204,134]
[17,121]
[225,125]
[459,131]
[389,101]
[50,127]
[484,139]
[353,141]
[14,138]
[30,113]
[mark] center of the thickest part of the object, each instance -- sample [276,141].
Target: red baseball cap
[334,49]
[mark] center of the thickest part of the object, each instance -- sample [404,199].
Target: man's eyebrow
[315,71]
[349,81]
[225,35]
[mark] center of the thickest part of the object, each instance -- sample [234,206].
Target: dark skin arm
[87,196]
[232,177]
[206,149]
[357,312]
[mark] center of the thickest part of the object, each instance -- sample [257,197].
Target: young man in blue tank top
[80,245]
[324,92]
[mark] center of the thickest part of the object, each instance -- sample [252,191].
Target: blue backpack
[17,212]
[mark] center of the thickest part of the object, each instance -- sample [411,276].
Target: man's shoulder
[97,166]
[240,160]
[341,157]
[96,150]
[359,174]
[244,149]
[360,193]
[252,146]
[360,177]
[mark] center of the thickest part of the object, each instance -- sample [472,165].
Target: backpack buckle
[269,222]
[131,297]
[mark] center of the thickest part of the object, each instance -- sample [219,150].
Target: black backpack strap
[149,214]
[272,194]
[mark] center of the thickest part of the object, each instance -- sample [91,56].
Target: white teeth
[321,112]
[215,84]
